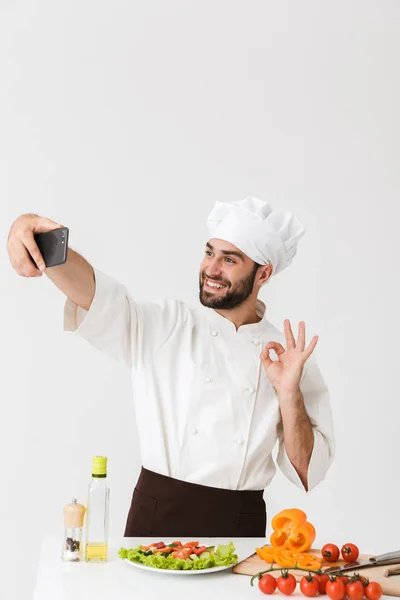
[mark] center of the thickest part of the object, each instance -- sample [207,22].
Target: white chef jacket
[201,394]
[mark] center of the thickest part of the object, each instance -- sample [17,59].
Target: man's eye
[208,252]
[232,261]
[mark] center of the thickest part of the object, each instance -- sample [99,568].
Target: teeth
[216,285]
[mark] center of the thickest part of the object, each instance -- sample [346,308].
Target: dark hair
[255,267]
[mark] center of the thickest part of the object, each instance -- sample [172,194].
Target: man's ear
[266,271]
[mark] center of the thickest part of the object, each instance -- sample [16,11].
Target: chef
[217,385]
[210,401]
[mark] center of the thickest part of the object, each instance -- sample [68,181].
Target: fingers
[310,348]
[21,260]
[276,346]
[301,340]
[43,224]
[290,341]
[34,251]
[265,359]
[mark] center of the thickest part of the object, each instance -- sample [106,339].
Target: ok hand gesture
[285,373]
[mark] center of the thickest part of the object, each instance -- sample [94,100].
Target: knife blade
[375,561]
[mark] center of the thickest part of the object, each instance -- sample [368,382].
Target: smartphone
[53,246]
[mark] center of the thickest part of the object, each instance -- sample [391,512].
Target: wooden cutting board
[390,583]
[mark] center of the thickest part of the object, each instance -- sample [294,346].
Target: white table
[117,580]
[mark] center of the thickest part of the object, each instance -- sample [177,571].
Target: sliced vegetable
[286,558]
[292,531]
[190,544]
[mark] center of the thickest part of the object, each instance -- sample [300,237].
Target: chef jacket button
[240,442]
[214,333]
[250,390]
[195,430]
[207,379]
[256,342]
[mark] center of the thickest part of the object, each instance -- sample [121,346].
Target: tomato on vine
[309,585]
[355,590]
[286,583]
[322,580]
[267,584]
[373,591]
[335,589]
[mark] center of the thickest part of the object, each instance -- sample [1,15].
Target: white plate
[177,571]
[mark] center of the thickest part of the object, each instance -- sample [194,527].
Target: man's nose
[214,269]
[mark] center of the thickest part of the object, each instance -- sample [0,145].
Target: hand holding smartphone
[53,246]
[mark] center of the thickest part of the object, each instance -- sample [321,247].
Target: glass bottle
[97,515]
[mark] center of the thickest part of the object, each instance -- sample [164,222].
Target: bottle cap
[99,465]
[74,514]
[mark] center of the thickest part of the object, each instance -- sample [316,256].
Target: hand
[285,373]
[21,243]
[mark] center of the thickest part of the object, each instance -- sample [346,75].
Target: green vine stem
[317,572]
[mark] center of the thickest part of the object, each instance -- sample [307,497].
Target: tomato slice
[166,550]
[190,544]
[183,553]
[159,545]
[199,550]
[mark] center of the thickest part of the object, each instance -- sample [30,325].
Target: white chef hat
[265,235]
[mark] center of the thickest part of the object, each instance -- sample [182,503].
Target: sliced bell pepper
[287,558]
[292,531]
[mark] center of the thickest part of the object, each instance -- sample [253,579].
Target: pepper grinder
[74,515]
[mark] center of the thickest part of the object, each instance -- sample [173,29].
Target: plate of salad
[176,558]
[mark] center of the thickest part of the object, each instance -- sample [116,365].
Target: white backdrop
[125,121]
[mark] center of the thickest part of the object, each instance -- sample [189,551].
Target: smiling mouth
[214,285]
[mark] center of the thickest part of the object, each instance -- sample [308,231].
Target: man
[210,401]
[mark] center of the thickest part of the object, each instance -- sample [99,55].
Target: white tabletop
[115,579]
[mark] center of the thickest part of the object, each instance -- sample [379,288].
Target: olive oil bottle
[97,512]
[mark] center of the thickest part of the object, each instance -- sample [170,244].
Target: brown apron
[166,507]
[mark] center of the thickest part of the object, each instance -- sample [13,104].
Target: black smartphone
[53,246]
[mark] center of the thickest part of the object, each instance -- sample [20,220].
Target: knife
[382,559]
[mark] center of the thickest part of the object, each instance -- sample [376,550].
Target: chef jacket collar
[218,321]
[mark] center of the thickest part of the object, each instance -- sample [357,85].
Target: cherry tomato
[336,589]
[322,580]
[330,552]
[344,578]
[355,590]
[373,591]
[286,584]
[309,586]
[267,584]
[350,552]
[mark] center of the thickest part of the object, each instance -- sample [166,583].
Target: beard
[231,296]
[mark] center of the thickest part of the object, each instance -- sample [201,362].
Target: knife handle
[388,556]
